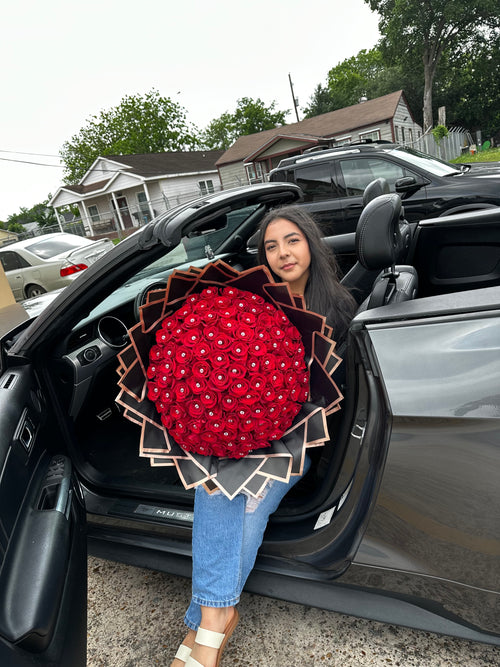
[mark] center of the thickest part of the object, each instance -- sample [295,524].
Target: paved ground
[135,621]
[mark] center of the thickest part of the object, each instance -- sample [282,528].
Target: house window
[396,131]
[254,172]
[342,141]
[206,187]
[373,135]
[94,214]
[145,213]
[403,135]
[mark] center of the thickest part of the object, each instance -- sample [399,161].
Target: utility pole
[295,101]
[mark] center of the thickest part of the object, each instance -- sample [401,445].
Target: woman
[228,533]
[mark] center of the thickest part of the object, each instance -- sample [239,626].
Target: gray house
[122,192]
[251,157]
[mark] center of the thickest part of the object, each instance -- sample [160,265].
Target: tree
[41,213]
[363,75]
[12,227]
[417,33]
[469,86]
[250,116]
[321,101]
[139,124]
[355,78]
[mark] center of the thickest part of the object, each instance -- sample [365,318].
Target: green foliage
[15,227]
[139,124]
[353,78]
[469,85]
[417,34]
[439,132]
[364,75]
[250,116]
[41,213]
[321,101]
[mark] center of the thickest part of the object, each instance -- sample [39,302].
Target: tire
[34,290]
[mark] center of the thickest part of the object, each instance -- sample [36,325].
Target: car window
[315,182]
[358,173]
[47,248]
[12,261]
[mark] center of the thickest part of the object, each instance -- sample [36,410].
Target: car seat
[374,189]
[382,240]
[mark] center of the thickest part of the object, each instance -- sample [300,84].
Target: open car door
[43,557]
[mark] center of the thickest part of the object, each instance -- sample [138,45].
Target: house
[7,237]
[122,192]
[251,157]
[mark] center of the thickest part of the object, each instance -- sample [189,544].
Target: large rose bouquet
[218,374]
[227,373]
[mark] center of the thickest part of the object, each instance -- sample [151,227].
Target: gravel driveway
[135,620]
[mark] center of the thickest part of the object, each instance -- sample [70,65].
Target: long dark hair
[324,293]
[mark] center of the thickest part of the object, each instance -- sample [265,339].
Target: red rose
[238,387]
[226,373]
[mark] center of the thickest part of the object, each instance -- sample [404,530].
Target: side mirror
[408,183]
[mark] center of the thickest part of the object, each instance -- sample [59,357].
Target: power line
[39,164]
[28,153]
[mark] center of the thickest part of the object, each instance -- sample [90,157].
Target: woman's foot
[218,619]
[188,641]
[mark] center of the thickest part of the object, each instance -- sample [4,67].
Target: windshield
[195,249]
[433,164]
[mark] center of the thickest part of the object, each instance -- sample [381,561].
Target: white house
[126,191]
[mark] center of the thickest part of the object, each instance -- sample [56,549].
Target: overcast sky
[64,61]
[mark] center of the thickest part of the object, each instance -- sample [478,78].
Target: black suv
[333,182]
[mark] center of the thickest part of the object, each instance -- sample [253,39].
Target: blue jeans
[226,537]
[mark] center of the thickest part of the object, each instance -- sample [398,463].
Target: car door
[43,591]
[13,264]
[321,196]
[436,513]
[354,173]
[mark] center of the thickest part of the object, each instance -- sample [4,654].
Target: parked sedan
[48,262]
[397,520]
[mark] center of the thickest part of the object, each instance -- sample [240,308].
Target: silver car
[48,262]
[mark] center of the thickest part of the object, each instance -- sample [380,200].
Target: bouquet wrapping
[218,375]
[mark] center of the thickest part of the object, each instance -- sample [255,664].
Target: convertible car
[398,518]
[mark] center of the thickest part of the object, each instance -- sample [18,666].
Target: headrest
[253,242]
[374,189]
[382,235]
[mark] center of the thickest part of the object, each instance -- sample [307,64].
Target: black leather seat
[382,240]
[374,189]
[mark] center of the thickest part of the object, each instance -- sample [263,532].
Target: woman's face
[288,254]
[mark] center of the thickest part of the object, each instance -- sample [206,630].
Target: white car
[48,262]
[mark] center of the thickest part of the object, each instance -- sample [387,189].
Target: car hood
[34,306]
[483,169]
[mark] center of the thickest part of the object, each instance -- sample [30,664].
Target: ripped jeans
[226,537]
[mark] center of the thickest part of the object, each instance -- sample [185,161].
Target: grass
[490,155]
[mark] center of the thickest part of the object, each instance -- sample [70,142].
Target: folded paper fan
[218,374]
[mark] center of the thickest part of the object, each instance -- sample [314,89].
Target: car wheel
[34,290]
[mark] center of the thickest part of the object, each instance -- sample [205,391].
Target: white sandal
[183,653]
[213,639]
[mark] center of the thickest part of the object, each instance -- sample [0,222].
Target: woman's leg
[227,535]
